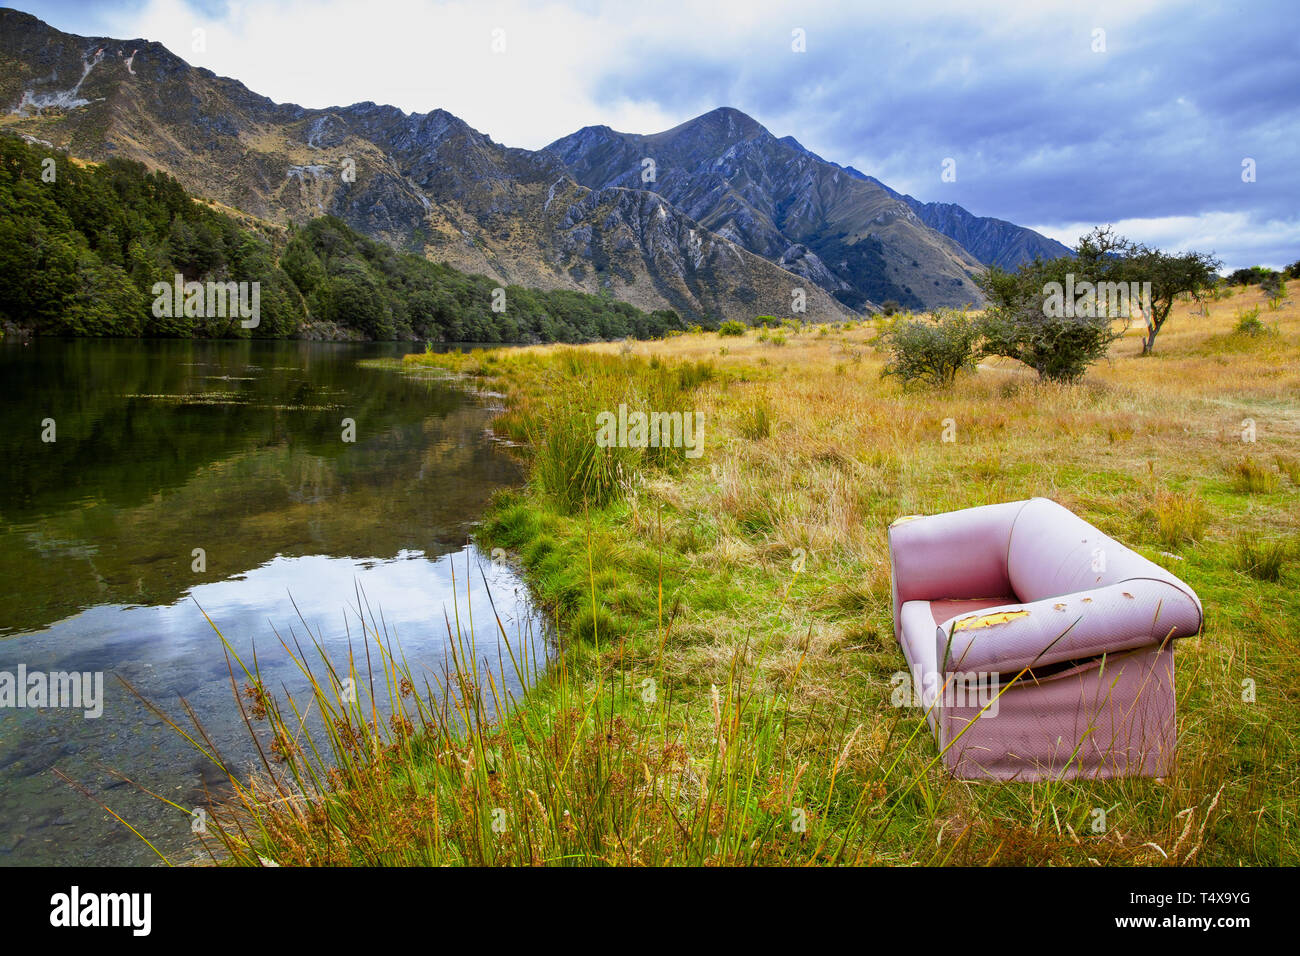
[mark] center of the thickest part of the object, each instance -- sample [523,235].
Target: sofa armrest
[1135,613]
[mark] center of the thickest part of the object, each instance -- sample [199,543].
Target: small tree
[930,351]
[1103,257]
[1059,348]
[1169,275]
[1057,344]
[1274,289]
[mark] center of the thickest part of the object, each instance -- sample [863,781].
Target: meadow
[721,692]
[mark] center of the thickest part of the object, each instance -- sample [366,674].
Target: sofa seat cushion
[922,618]
[949,608]
[920,623]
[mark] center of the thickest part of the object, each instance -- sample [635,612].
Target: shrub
[1272,285]
[1058,348]
[930,351]
[731,327]
[1275,289]
[1248,322]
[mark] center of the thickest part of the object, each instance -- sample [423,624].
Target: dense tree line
[349,279]
[1255,275]
[82,248]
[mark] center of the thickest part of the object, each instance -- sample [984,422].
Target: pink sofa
[1060,635]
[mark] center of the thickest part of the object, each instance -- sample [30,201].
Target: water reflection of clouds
[410,595]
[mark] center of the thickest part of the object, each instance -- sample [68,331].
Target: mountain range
[716,218]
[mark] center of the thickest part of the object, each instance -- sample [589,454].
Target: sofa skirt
[1108,717]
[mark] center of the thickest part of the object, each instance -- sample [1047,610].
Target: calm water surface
[235,448]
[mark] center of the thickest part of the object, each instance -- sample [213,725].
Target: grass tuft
[1179,518]
[756,421]
[1253,477]
[1265,560]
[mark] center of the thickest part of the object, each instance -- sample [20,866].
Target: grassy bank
[723,690]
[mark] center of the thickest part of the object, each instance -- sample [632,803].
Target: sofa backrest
[1053,552]
[956,554]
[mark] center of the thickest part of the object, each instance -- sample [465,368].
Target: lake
[280,487]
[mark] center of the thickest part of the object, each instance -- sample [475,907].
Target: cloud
[1238,238]
[1047,120]
[517,71]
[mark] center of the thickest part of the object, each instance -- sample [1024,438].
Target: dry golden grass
[1148,448]
[847,451]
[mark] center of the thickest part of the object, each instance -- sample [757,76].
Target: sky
[1178,123]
